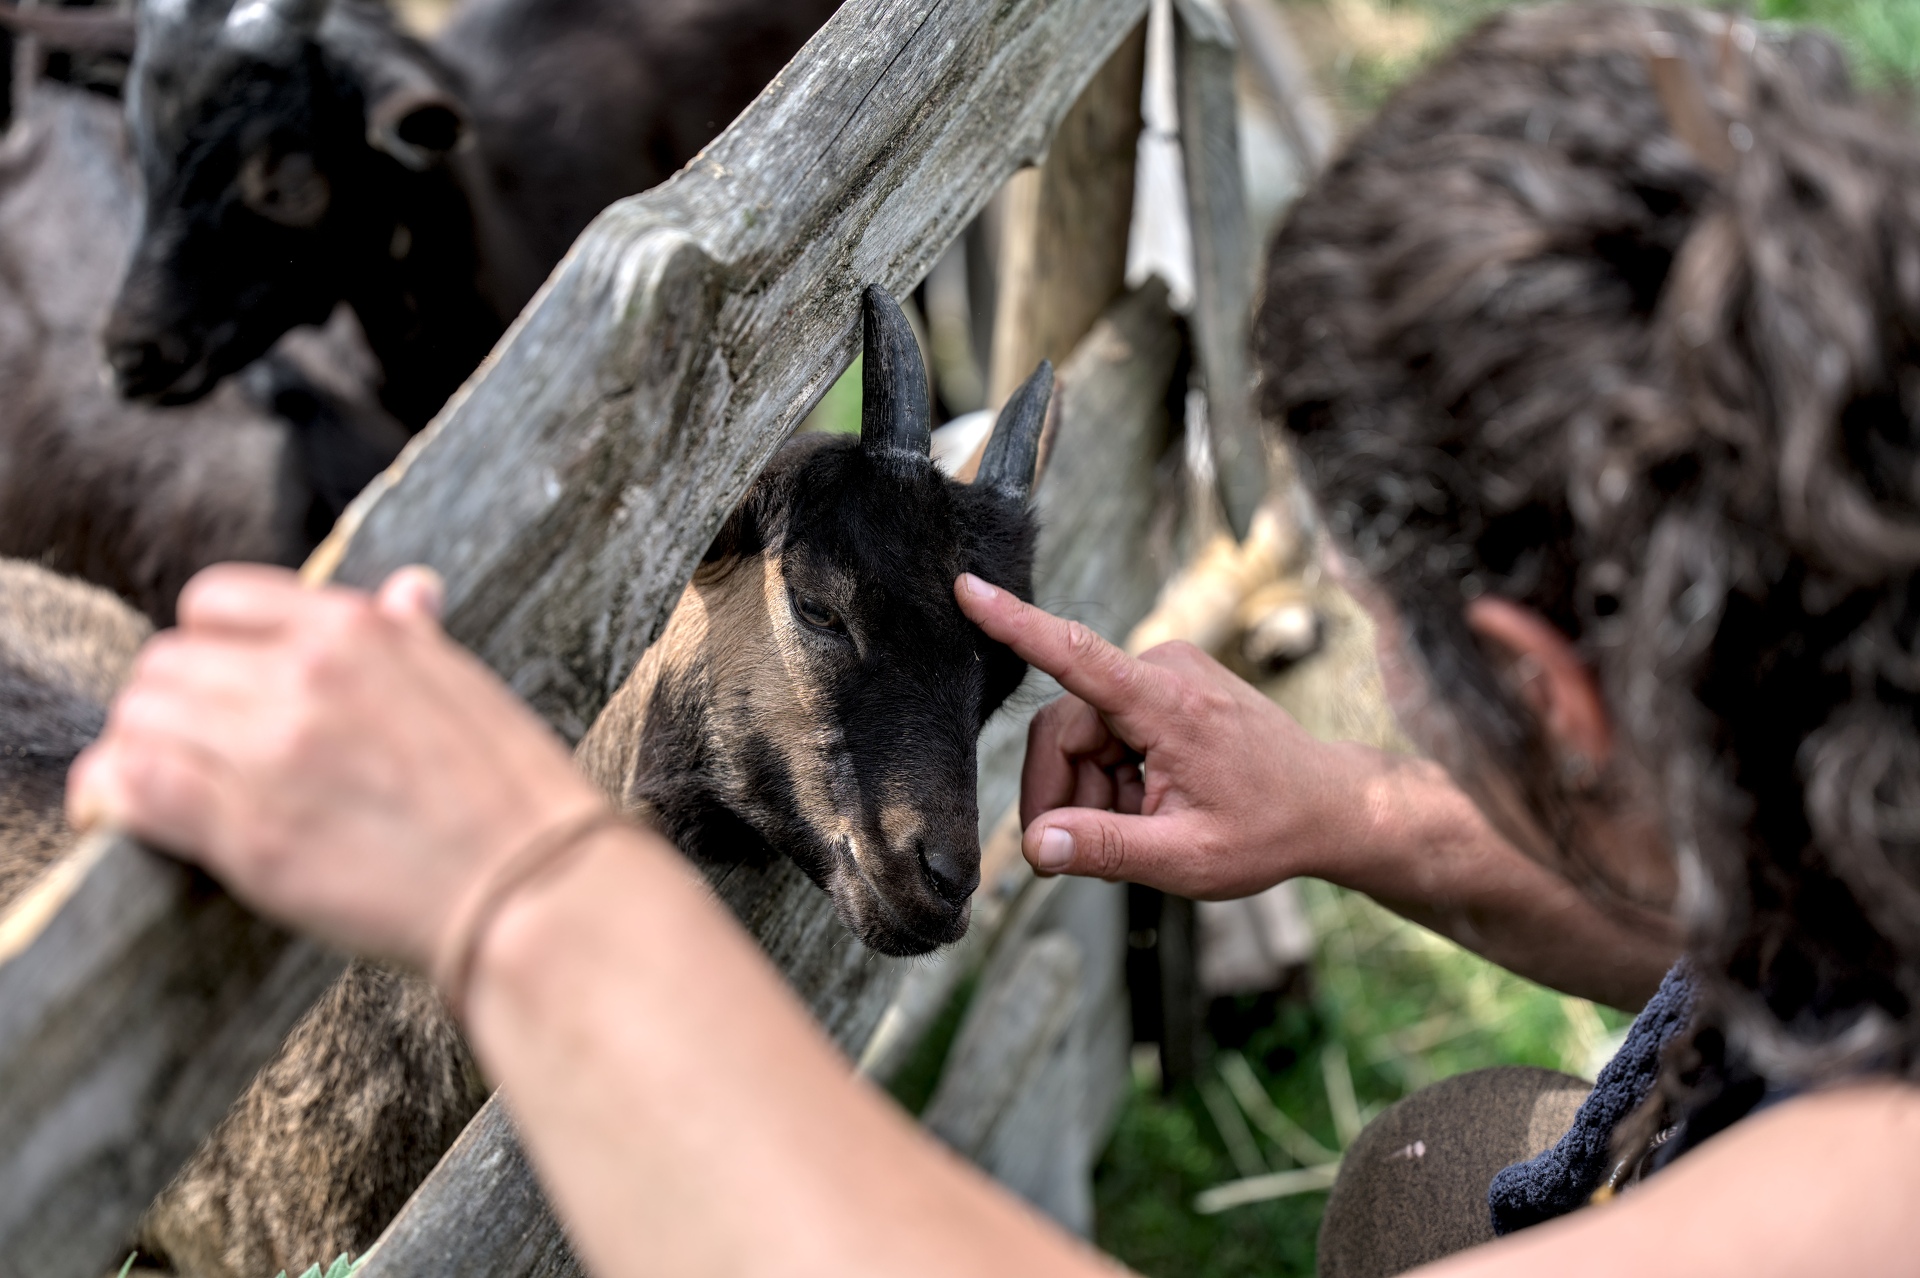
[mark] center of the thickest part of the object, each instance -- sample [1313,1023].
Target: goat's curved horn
[1014,447]
[270,26]
[72,30]
[896,418]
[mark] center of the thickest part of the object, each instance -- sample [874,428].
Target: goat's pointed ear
[417,125]
[1014,447]
[896,417]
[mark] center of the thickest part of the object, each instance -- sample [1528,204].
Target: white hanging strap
[1160,239]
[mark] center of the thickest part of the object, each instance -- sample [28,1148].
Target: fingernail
[433,590]
[975,588]
[83,812]
[1056,850]
[86,805]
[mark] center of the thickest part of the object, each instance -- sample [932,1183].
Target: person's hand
[1167,769]
[332,757]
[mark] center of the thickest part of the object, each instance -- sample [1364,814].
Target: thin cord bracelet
[543,854]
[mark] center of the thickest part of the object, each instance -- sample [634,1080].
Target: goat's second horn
[1014,448]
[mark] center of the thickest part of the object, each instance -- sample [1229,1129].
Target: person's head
[1601,348]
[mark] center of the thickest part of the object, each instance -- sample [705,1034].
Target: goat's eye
[816,614]
[289,189]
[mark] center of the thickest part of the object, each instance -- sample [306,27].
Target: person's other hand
[1167,769]
[331,756]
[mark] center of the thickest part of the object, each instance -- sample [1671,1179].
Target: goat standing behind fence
[817,695]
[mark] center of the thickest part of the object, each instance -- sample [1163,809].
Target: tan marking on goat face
[734,626]
[801,724]
[900,825]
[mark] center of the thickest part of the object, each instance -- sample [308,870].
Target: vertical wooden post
[1223,254]
[1063,242]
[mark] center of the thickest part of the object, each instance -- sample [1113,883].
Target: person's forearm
[1824,1184]
[1420,847]
[688,1118]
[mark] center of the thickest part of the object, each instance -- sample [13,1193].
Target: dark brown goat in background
[817,695]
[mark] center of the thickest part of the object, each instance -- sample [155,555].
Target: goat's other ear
[415,124]
[896,414]
[1014,447]
[743,534]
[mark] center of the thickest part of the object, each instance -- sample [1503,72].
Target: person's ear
[1546,671]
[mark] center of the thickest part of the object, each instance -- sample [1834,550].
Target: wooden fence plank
[136,1001]
[1063,245]
[565,494]
[1010,1032]
[1222,255]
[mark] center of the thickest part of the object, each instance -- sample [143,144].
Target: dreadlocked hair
[1615,312]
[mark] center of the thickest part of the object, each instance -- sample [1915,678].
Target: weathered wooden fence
[566,494]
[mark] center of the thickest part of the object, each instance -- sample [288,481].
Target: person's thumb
[1102,845]
[412,595]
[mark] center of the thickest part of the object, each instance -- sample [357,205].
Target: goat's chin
[896,929]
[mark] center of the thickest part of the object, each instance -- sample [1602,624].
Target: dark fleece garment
[1565,1177]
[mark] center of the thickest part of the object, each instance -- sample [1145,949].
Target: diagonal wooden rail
[565,494]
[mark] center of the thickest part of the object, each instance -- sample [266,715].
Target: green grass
[341,1267]
[1883,36]
[838,411]
[1393,1008]
[1388,40]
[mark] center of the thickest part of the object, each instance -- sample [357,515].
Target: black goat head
[274,138]
[818,693]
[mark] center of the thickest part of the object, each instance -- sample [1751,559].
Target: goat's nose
[953,877]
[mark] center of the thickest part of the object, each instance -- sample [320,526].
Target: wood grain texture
[1222,255]
[565,494]
[1013,1027]
[136,1001]
[1031,1102]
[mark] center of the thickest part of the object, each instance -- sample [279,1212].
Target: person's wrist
[1361,819]
[543,848]
[533,935]
[1404,811]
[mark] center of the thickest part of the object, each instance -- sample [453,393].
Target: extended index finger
[1085,664]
